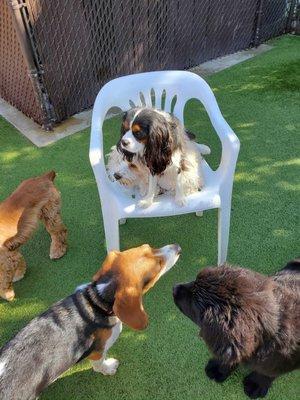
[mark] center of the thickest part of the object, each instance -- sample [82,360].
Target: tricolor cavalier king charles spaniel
[158,152]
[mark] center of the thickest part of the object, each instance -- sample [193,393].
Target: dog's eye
[132,166]
[139,135]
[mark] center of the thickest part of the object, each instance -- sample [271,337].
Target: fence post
[290,15]
[257,24]
[20,21]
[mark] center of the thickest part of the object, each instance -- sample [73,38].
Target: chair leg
[111,229]
[223,233]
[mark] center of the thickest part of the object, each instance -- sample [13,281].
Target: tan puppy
[34,199]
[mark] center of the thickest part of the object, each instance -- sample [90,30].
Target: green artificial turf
[260,100]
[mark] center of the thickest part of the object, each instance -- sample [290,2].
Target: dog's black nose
[117,176]
[124,142]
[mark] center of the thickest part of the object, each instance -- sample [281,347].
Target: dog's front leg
[108,366]
[257,385]
[218,371]
[179,191]
[143,187]
[148,200]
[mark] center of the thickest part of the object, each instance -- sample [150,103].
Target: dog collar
[94,297]
[95,313]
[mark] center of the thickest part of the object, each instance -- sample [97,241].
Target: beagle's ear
[106,266]
[129,308]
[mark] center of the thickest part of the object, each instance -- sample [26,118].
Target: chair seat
[164,205]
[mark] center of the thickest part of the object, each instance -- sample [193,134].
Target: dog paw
[107,367]
[214,370]
[57,250]
[180,201]
[143,192]
[255,389]
[8,295]
[11,244]
[18,277]
[145,203]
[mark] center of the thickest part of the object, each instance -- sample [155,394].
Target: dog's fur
[135,174]
[246,317]
[158,144]
[130,174]
[35,199]
[85,324]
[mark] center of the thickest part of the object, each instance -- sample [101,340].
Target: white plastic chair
[116,204]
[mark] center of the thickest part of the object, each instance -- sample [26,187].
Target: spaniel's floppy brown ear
[158,151]
[129,308]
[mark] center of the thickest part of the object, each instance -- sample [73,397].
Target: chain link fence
[73,47]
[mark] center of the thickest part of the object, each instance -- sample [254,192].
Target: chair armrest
[96,153]
[200,90]
[230,149]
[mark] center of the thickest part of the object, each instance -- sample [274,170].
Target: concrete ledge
[82,120]
[218,64]
[35,133]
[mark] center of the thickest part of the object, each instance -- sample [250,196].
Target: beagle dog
[84,324]
[34,199]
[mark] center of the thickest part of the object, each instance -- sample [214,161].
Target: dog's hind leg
[20,269]
[10,261]
[26,226]
[107,366]
[50,215]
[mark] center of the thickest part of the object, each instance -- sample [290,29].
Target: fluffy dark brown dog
[248,318]
[34,199]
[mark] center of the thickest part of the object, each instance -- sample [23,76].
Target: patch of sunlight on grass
[138,336]
[10,155]
[293,162]
[250,86]
[245,125]
[246,177]
[291,127]
[281,233]
[265,170]
[288,186]
[202,260]
[255,195]
[18,311]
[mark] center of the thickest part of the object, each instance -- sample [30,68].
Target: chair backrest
[138,89]
[147,89]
